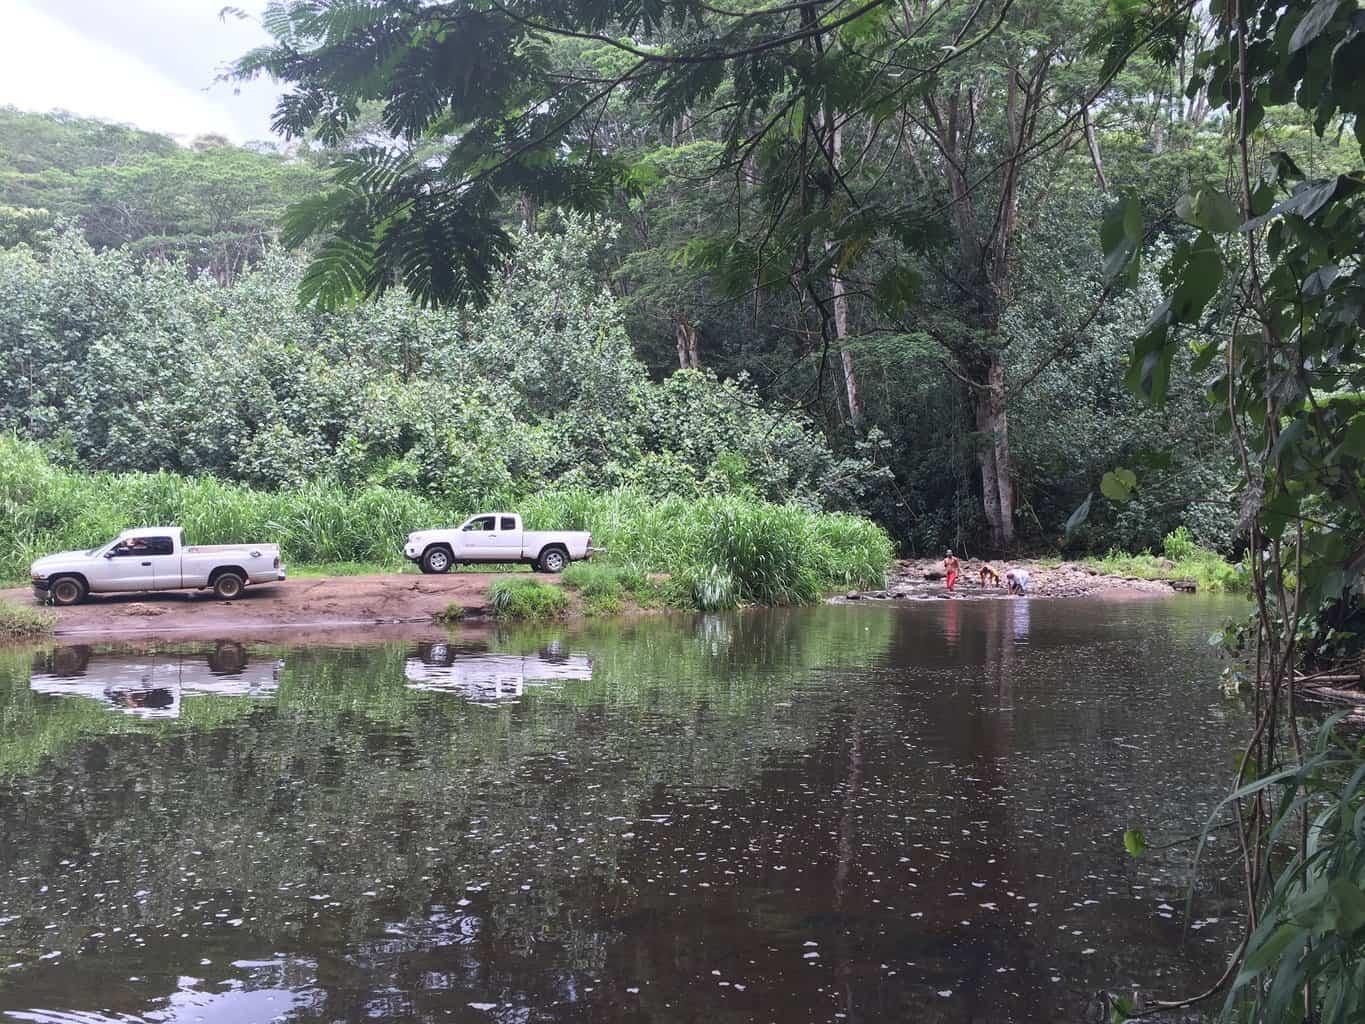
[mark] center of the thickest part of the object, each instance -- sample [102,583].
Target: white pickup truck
[154,558]
[496,537]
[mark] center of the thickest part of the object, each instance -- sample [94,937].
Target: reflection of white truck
[484,676]
[151,684]
[496,537]
[154,558]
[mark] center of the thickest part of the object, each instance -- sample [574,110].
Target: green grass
[18,622]
[772,554]
[452,612]
[526,600]
[603,604]
[1181,559]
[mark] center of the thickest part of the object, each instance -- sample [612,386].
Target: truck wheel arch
[81,581]
[556,548]
[228,570]
[442,547]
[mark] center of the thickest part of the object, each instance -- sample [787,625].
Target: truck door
[165,562]
[129,566]
[509,539]
[479,540]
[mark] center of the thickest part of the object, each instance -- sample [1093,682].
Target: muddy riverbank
[333,603]
[329,602]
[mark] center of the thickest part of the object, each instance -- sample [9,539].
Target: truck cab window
[508,523]
[483,524]
[130,548]
[160,546]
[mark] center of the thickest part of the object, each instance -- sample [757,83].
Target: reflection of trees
[352,811]
[721,791]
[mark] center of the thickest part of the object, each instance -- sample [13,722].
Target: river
[881,812]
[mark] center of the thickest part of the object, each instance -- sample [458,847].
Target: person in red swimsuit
[951,567]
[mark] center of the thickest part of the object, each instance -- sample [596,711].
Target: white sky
[150,63]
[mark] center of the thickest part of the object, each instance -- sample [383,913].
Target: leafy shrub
[1209,570]
[144,367]
[526,599]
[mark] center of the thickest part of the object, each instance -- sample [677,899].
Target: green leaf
[1204,356]
[1307,199]
[1199,270]
[1317,283]
[1289,437]
[1135,842]
[1118,484]
[1079,516]
[1260,957]
[1120,238]
[1209,209]
[1353,443]
[1318,18]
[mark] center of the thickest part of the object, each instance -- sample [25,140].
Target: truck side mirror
[109,554]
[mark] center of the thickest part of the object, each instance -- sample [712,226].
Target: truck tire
[228,586]
[436,560]
[553,560]
[67,590]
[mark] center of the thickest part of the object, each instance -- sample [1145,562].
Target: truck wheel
[228,586]
[67,590]
[436,560]
[553,560]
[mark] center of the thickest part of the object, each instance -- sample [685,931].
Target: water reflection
[490,678]
[854,813]
[150,683]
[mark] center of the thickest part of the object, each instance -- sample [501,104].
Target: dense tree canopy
[214,205]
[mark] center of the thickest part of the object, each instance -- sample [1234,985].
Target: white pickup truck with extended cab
[154,558]
[496,537]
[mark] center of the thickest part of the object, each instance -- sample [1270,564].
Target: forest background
[150,320]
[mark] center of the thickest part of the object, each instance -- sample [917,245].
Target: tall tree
[806,95]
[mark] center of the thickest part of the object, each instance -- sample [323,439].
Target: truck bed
[218,549]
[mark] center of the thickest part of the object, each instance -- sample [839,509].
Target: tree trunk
[839,299]
[1093,143]
[993,456]
[686,334]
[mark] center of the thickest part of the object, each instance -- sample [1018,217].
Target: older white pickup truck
[154,558]
[496,537]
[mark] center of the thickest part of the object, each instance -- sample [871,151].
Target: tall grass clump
[18,622]
[771,554]
[526,599]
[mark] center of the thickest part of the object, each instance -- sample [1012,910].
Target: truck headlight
[37,576]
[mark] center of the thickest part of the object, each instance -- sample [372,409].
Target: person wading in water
[951,567]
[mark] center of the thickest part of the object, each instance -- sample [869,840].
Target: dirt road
[333,602]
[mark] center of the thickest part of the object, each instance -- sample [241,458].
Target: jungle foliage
[120,364]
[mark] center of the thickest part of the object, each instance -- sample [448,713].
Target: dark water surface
[860,813]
